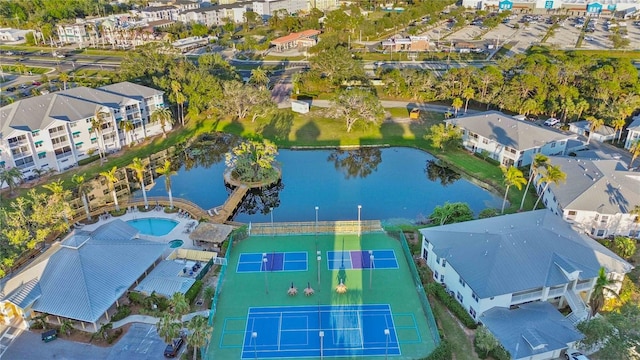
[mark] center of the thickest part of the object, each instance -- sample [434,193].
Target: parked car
[575,355]
[10,89]
[173,349]
[36,83]
[551,122]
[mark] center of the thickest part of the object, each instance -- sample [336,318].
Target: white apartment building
[268,8]
[216,15]
[597,196]
[79,33]
[506,261]
[507,140]
[155,13]
[54,131]
[324,5]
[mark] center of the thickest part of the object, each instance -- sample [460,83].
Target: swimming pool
[153,226]
[175,243]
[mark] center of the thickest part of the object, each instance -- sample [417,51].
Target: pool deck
[179,232]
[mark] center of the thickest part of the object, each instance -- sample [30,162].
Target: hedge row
[123,312]
[454,306]
[193,291]
[442,352]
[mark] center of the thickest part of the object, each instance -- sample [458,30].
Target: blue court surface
[361,259]
[276,261]
[319,331]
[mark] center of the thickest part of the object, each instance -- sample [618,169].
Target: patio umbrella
[341,288]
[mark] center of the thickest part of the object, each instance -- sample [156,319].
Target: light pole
[386,343]
[370,268]
[359,224]
[321,343]
[273,233]
[254,336]
[266,282]
[317,208]
[319,258]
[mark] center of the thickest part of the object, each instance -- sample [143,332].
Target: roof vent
[511,226]
[485,253]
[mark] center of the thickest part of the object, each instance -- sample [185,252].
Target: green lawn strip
[452,331]
[33,69]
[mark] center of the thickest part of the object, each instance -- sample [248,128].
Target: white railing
[583,286]
[575,302]
[556,292]
[516,299]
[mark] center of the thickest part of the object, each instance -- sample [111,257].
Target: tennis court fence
[431,321]
[311,227]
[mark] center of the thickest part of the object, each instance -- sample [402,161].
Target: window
[461,282]
[42,155]
[435,275]
[572,213]
[474,296]
[442,279]
[94,141]
[472,312]
[444,262]
[553,144]
[600,233]
[459,296]
[73,124]
[485,141]
[38,144]
[425,254]
[76,135]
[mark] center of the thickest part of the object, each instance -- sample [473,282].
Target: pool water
[175,243]
[153,226]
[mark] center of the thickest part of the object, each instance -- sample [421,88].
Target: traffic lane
[141,342]
[29,345]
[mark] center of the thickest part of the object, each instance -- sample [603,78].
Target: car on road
[551,122]
[575,355]
[173,349]
[24,86]
[10,89]
[36,83]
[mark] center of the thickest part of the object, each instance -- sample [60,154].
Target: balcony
[583,286]
[18,143]
[64,155]
[524,297]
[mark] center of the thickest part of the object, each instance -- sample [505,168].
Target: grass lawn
[452,330]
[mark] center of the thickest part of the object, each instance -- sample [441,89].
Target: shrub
[454,306]
[136,298]
[117,213]
[88,160]
[193,291]
[500,353]
[442,352]
[123,312]
[112,337]
[224,247]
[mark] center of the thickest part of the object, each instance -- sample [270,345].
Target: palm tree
[634,150]
[179,306]
[67,326]
[12,177]
[538,161]
[164,116]
[112,179]
[467,94]
[140,168]
[128,127]
[199,333]
[167,171]
[97,121]
[594,125]
[179,97]
[260,77]
[618,125]
[552,174]
[457,104]
[168,328]
[512,177]
[600,289]
[83,187]
[64,77]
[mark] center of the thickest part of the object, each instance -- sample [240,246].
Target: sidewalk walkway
[146,319]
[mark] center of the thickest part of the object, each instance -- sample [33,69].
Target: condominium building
[268,8]
[55,131]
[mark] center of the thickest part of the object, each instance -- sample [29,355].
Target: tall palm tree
[594,125]
[164,116]
[634,150]
[618,125]
[97,121]
[168,328]
[112,179]
[128,127]
[260,77]
[467,94]
[167,171]
[12,177]
[179,98]
[64,77]
[140,168]
[552,174]
[601,289]
[199,333]
[179,306]
[456,104]
[83,187]
[539,160]
[512,177]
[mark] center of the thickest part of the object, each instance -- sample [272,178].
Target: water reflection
[438,171]
[207,150]
[358,163]
[261,200]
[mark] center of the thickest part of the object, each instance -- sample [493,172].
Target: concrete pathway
[146,319]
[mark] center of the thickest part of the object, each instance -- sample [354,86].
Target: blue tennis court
[356,259]
[276,261]
[325,331]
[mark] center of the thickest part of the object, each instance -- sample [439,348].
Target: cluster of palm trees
[170,325]
[12,177]
[540,165]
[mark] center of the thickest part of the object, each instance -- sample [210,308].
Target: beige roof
[213,233]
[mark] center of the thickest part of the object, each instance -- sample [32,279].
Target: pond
[392,184]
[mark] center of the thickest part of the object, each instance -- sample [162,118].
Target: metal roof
[506,130]
[603,186]
[82,282]
[25,295]
[131,90]
[531,329]
[517,252]
[165,279]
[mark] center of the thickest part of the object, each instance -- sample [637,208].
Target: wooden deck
[322,227]
[223,213]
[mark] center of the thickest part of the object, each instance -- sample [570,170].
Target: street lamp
[370,268]
[254,336]
[266,282]
[317,208]
[359,224]
[319,258]
[321,334]
[386,343]
[273,233]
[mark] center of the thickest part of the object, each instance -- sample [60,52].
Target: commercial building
[563,7]
[306,38]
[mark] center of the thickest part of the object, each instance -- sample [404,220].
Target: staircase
[579,310]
